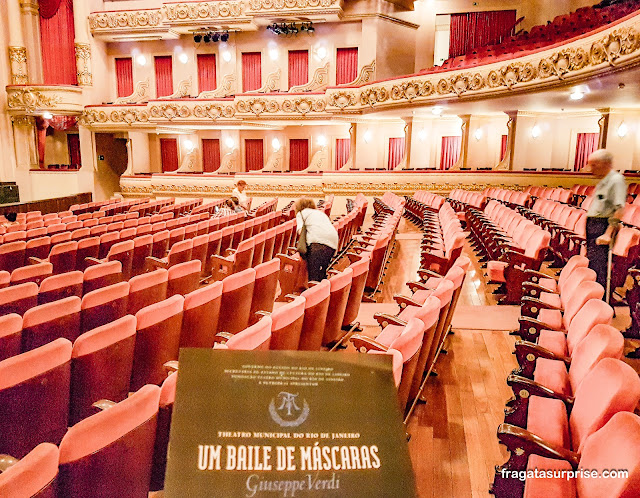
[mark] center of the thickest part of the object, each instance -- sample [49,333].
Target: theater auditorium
[475,169]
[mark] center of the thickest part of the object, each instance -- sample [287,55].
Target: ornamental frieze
[31,100]
[213,111]
[169,111]
[259,5]
[202,10]
[304,105]
[125,19]
[257,106]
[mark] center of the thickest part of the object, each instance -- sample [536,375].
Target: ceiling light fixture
[422,135]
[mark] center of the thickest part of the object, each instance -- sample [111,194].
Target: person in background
[238,192]
[230,206]
[321,237]
[604,214]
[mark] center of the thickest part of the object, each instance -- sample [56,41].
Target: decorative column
[83,49]
[603,123]
[507,161]
[464,144]
[17,49]
[408,133]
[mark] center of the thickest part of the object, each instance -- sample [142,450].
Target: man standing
[605,211]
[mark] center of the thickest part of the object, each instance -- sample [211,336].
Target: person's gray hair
[602,156]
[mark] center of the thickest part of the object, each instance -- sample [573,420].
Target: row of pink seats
[442,240]
[421,202]
[182,208]
[511,198]
[388,203]
[152,206]
[459,199]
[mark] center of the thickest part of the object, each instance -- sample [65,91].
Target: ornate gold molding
[18,59]
[23,120]
[99,21]
[367,74]
[183,90]
[320,81]
[271,84]
[83,64]
[227,87]
[29,99]
[30,7]
[140,94]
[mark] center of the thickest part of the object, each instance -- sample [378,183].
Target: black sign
[286,424]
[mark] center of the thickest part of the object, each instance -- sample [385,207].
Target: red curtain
[450,152]
[57,36]
[254,154]
[41,126]
[586,144]
[477,29]
[298,67]
[124,76]
[210,154]
[73,144]
[503,147]
[396,152]
[298,154]
[164,75]
[343,151]
[346,65]
[251,71]
[169,154]
[206,72]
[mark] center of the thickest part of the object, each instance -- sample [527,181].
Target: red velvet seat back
[147,289]
[200,316]
[10,335]
[142,247]
[123,252]
[238,234]
[48,322]
[287,325]
[315,316]
[101,364]
[237,293]
[269,244]
[87,248]
[257,337]
[34,398]
[184,277]
[264,291]
[175,235]
[167,398]
[199,250]
[36,475]
[38,248]
[340,287]
[244,255]
[12,255]
[213,248]
[160,244]
[360,271]
[157,340]
[18,298]
[180,252]
[104,305]
[110,453]
[227,236]
[60,287]
[32,273]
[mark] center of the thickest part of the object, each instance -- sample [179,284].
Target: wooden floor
[453,436]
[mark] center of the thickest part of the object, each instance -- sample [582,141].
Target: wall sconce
[226,56]
[184,58]
[273,54]
[322,141]
[321,52]
[437,110]
[230,143]
[577,94]
[47,115]
[141,60]
[367,136]
[188,145]
[422,135]
[478,134]
[623,129]
[275,143]
[535,131]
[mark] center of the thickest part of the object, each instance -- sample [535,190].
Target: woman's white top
[243,200]
[319,227]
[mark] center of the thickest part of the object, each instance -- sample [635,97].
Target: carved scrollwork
[372,96]
[476,82]
[125,19]
[169,111]
[516,72]
[30,99]
[202,10]
[227,87]
[409,90]
[460,84]
[257,106]
[546,68]
[213,111]
[271,84]
[319,81]
[258,5]
[443,87]
[342,100]
[304,105]
[183,90]
[128,116]
[367,73]
[140,94]
[18,59]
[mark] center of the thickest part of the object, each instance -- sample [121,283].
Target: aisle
[453,436]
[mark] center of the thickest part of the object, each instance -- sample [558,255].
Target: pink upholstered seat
[396,359]
[102,275]
[34,398]
[256,337]
[48,322]
[147,289]
[287,325]
[18,298]
[35,475]
[142,247]
[184,277]
[87,248]
[339,296]
[359,278]
[104,305]
[38,248]
[60,286]
[32,273]
[315,316]
[200,316]
[102,360]
[12,255]
[157,340]
[10,335]
[115,444]
[265,288]
[237,293]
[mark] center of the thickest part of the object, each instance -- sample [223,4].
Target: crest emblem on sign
[288,413]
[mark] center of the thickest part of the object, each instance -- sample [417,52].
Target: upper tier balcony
[173,19]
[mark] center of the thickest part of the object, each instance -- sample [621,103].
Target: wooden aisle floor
[453,442]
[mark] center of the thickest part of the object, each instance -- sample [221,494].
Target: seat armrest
[528,352]
[154,262]
[7,461]
[363,343]
[414,286]
[525,388]
[534,276]
[428,273]
[93,261]
[34,261]
[171,366]
[533,289]
[385,319]
[222,337]
[404,301]
[103,404]
[530,306]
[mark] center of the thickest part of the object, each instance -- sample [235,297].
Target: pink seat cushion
[548,419]
[551,299]
[553,318]
[390,333]
[28,476]
[553,341]
[421,295]
[552,374]
[556,488]
[495,270]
